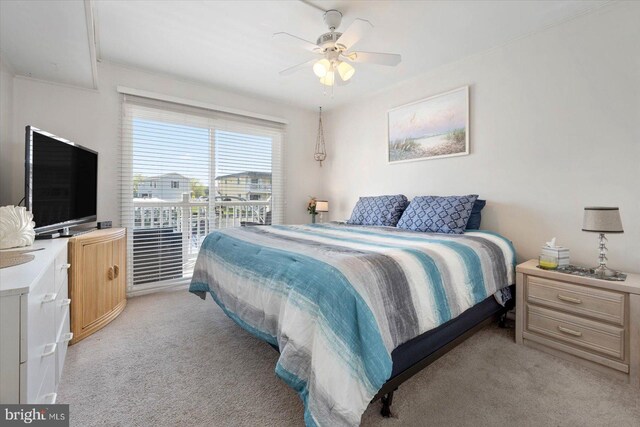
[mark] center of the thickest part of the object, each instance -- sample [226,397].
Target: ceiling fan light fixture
[346,71]
[329,79]
[334,66]
[321,68]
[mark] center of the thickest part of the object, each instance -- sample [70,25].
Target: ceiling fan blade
[291,70]
[391,59]
[355,31]
[296,41]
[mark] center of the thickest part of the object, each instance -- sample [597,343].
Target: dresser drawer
[62,305]
[581,333]
[61,269]
[40,339]
[41,372]
[583,300]
[61,351]
[46,394]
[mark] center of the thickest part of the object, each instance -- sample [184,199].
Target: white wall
[92,118]
[555,126]
[6,120]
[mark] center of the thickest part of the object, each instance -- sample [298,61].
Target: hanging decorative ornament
[321,152]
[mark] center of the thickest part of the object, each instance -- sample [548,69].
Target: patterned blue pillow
[379,210]
[438,214]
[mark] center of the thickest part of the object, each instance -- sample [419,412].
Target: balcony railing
[264,188]
[192,220]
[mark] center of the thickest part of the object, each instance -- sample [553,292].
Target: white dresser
[34,325]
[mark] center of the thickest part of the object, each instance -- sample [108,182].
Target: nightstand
[590,321]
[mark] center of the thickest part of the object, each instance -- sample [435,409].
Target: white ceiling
[46,40]
[229,43]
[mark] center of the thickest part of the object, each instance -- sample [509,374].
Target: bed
[354,310]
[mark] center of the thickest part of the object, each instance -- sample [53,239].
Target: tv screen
[61,181]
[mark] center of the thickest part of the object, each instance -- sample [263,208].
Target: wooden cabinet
[97,280]
[593,322]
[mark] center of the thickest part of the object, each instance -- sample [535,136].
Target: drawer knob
[49,298]
[110,273]
[569,331]
[51,351]
[569,299]
[116,270]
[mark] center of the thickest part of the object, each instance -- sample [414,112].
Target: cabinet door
[97,281]
[120,266]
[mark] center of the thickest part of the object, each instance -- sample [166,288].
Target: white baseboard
[155,289]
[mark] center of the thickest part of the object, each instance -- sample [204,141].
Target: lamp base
[604,271]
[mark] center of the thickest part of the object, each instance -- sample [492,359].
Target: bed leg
[502,321]
[386,400]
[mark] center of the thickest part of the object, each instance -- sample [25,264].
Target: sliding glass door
[186,173]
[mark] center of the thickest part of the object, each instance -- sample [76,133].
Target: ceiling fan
[334,67]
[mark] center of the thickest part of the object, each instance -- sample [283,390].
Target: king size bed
[354,310]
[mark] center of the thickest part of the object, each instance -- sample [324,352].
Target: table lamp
[321,207]
[602,220]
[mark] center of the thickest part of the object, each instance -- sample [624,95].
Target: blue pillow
[378,210]
[438,214]
[476,215]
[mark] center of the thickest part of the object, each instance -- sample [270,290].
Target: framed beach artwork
[431,128]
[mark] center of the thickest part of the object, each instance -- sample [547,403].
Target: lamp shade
[322,206]
[328,79]
[602,220]
[321,67]
[346,71]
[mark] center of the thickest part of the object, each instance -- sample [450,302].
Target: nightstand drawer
[583,300]
[581,333]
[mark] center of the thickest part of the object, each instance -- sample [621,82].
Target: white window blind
[187,171]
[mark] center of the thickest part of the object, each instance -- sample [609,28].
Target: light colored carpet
[171,359]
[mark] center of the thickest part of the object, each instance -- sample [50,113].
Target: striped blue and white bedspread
[337,299]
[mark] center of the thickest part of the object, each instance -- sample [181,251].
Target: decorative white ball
[16,227]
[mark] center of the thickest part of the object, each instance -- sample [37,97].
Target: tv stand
[67,232]
[97,280]
[64,232]
[45,236]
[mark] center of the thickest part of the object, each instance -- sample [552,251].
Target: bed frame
[385,395]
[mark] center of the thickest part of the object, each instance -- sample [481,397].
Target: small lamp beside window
[322,206]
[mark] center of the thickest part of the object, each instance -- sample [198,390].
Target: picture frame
[430,128]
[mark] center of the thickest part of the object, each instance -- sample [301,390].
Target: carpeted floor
[171,359]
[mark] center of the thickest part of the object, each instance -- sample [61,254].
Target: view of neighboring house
[248,185]
[169,186]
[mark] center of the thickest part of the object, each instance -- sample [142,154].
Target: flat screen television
[61,182]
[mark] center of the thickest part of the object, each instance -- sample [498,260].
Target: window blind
[187,171]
